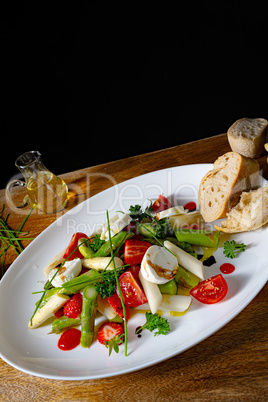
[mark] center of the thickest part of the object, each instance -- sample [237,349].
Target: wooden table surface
[229,365]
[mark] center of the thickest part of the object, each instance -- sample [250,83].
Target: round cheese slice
[158,265]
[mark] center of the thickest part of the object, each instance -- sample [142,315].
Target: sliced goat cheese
[179,210]
[70,270]
[186,260]
[158,265]
[117,223]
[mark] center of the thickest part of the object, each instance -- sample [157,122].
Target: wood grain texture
[230,365]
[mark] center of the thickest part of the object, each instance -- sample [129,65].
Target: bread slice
[249,214]
[220,188]
[247,137]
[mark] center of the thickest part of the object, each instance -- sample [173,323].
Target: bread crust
[221,187]
[247,136]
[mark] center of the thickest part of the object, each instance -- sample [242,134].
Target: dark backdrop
[89,82]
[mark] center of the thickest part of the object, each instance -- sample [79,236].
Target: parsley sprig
[155,322]
[96,242]
[135,211]
[231,248]
[161,229]
[108,286]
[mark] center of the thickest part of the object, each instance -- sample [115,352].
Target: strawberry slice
[73,307]
[109,330]
[134,251]
[116,304]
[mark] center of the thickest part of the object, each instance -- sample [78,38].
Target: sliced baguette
[247,137]
[220,188]
[249,214]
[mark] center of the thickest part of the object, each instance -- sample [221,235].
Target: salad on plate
[145,261]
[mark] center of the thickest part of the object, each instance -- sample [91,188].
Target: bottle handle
[9,197]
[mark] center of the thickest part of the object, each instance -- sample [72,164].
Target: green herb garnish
[153,322]
[96,243]
[163,229]
[231,248]
[135,211]
[11,238]
[108,286]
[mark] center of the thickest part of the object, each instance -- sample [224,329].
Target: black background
[90,82]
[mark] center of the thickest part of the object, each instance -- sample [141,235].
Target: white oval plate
[35,352]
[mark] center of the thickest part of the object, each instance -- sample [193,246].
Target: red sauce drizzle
[227,268]
[69,339]
[190,205]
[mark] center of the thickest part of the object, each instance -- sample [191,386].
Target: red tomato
[132,292]
[73,244]
[161,204]
[115,303]
[134,251]
[135,269]
[211,290]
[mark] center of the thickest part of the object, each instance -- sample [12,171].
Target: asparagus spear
[47,311]
[88,313]
[102,263]
[116,241]
[206,238]
[63,323]
[189,262]
[84,248]
[50,293]
[186,278]
[58,259]
[80,282]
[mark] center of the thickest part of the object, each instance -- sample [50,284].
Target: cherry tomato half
[161,204]
[73,244]
[211,290]
[132,292]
